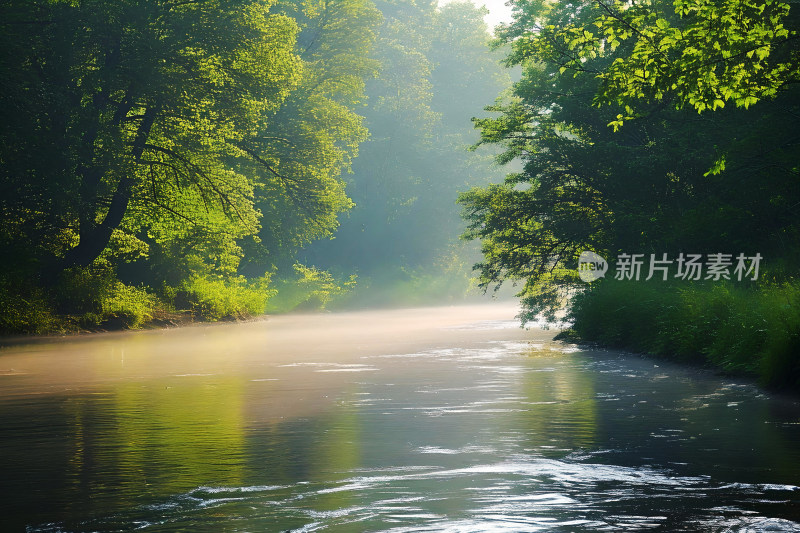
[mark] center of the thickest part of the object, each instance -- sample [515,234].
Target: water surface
[441,419]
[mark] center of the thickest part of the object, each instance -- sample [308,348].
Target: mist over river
[429,419]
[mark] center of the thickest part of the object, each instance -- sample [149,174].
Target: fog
[270,348]
[402,236]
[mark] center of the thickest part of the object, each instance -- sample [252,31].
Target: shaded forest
[223,158]
[665,133]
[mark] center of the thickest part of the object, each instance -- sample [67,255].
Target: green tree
[162,141]
[655,186]
[314,137]
[122,112]
[689,52]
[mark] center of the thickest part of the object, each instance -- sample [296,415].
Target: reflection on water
[448,419]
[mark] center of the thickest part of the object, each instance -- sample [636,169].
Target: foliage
[157,144]
[134,305]
[84,298]
[437,70]
[310,289]
[25,309]
[694,52]
[670,181]
[315,135]
[657,186]
[749,331]
[123,111]
[218,298]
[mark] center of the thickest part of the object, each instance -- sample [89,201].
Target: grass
[87,299]
[25,309]
[743,330]
[79,300]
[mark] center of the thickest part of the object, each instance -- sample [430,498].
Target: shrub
[25,310]
[309,289]
[218,298]
[134,306]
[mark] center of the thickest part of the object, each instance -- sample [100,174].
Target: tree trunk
[94,237]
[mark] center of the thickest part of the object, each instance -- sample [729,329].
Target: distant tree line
[402,236]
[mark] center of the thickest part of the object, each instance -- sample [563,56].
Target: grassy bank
[753,331]
[88,300]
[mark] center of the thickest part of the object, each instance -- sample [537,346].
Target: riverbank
[99,302]
[751,331]
[422,419]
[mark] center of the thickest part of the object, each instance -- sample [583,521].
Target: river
[438,419]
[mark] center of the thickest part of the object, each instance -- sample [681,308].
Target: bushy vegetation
[659,127]
[134,306]
[751,331]
[25,309]
[159,158]
[309,289]
[220,298]
[80,299]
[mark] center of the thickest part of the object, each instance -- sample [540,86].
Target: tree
[690,52]
[159,142]
[655,186]
[314,136]
[141,106]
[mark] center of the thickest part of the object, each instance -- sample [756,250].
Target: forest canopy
[167,156]
[662,128]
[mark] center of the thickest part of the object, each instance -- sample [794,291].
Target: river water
[441,419]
